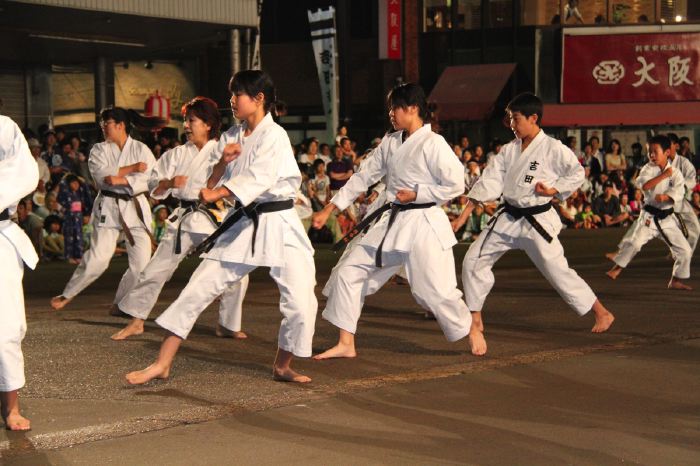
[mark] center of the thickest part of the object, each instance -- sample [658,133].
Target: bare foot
[614,272]
[135,327]
[603,321]
[477,342]
[223,332]
[288,375]
[146,375]
[338,351]
[677,284]
[16,422]
[59,302]
[611,256]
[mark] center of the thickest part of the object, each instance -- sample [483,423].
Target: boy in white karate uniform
[527,172]
[182,172]
[664,188]
[19,176]
[421,174]
[121,168]
[266,231]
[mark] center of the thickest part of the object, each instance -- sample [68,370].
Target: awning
[469,92]
[627,114]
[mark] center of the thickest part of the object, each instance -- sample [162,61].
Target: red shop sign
[646,67]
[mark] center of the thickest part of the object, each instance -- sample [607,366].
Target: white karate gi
[514,174]
[420,239]
[264,172]
[197,165]
[19,176]
[646,228]
[105,160]
[685,209]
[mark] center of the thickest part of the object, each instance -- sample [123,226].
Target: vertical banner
[390,30]
[322,24]
[256,61]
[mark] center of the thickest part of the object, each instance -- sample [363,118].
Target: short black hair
[317,162]
[528,104]
[673,137]
[407,95]
[661,140]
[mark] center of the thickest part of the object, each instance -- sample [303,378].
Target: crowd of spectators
[57,215]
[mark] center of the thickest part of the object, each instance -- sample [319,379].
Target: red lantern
[158,106]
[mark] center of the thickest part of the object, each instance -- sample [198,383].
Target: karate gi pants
[96,260]
[295,280]
[430,274]
[680,248]
[692,224]
[140,300]
[477,268]
[13,324]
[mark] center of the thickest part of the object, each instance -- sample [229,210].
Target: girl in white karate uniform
[259,171]
[413,231]
[121,168]
[527,172]
[19,176]
[182,172]
[664,189]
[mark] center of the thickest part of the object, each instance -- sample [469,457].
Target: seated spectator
[637,203]
[494,148]
[626,208]
[74,197]
[695,202]
[44,174]
[342,134]
[607,208]
[615,159]
[586,219]
[471,174]
[160,221]
[320,186]
[346,146]
[479,156]
[587,185]
[31,223]
[53,242]
[568,212]
[339,170]
[87,232]
[476,223]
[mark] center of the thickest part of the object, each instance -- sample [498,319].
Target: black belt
[660,214]
[365,224]
[139,214]
[190,208]
[5,215]
[517,213]
[251,211]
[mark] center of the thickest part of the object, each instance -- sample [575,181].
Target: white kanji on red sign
[678,69]
[643,73]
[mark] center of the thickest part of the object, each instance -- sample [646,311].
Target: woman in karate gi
[421,174]
[527,172]
[19,176]
[121,168]
[664,189]
[182,172]
[264,230]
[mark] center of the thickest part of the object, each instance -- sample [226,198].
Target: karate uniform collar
[115,147]
[267,120]
[417,133]
[535,141]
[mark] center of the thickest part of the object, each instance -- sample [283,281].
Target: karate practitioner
[266,231]
[664,188]
[182,172]
[527,172]
[121,168]
[421,174]
[685,209]
[19,176]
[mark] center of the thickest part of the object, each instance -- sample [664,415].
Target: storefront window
[631,11]
[436,14]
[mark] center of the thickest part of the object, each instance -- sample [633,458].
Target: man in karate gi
[664,189]
[527,172]
[19,176]
[121,168]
